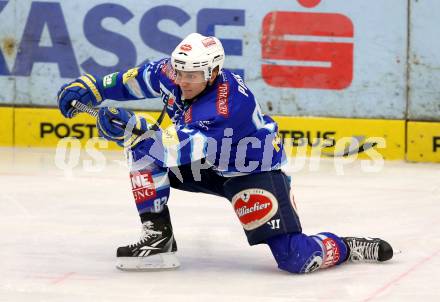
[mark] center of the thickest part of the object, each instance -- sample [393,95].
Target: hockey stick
[93,112]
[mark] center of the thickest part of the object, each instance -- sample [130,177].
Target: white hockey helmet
[198,53]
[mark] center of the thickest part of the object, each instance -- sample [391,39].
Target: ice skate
[155,250]
[368,249]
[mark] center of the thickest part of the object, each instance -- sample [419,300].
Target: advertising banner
[318,137]
[329,58]
[331,137]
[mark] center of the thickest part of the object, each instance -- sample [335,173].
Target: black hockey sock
[150,216]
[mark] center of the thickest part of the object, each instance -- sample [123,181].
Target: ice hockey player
[225,147]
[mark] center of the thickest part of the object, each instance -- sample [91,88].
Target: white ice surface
[59,234]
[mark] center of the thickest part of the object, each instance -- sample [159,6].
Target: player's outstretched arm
[132,84]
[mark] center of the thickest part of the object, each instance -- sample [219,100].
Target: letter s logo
[318,45]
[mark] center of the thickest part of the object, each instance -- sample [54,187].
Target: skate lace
[363,250]
[147,232]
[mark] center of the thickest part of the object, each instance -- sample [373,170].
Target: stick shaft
[93,112]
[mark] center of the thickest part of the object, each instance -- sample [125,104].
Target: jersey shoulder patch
[167,70]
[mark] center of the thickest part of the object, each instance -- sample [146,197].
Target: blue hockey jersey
[224,124]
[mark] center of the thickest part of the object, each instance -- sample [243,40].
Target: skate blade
[397,252]
[158,262]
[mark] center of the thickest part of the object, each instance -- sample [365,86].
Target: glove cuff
[90,84]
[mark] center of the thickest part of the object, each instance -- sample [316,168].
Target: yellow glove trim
[91,77]
[92,87]
[76,84]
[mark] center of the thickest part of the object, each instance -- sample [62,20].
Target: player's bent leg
[299,253]
[263,205]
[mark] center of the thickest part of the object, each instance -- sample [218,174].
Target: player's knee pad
[151,188]
[299,253]
[263,205]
